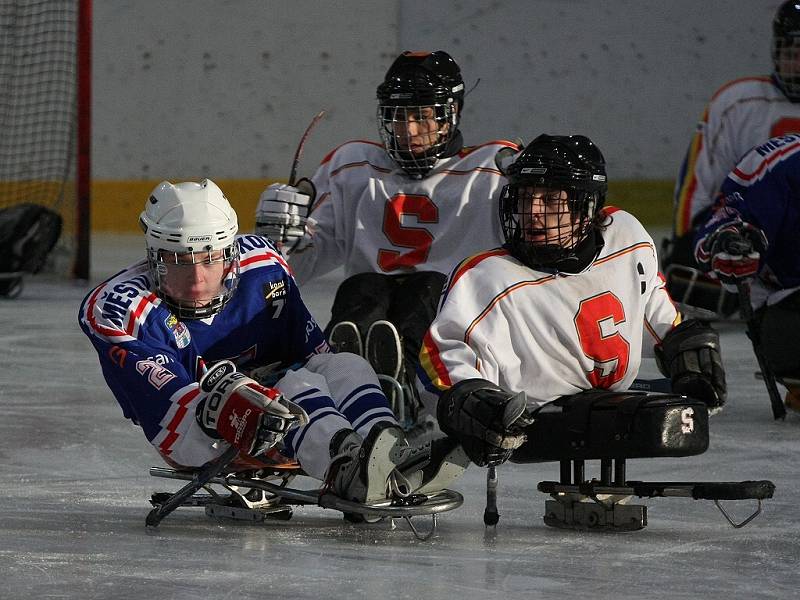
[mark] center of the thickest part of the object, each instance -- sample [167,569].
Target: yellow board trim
[116,204]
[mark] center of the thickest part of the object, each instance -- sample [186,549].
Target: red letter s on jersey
[417,238]
[610,351]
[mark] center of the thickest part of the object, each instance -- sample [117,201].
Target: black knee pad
[363,299]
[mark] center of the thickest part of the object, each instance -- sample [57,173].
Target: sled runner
[263,494]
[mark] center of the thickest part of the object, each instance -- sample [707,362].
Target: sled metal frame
[694,280]
[603,504]
[15,291]
[282,498]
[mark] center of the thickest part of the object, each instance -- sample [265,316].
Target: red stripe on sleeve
[166,446]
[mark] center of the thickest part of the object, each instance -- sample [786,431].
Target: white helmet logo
[198,238]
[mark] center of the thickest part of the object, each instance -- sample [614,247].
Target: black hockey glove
[690,356]
[488,421]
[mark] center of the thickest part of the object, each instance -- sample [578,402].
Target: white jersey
[551,334]
[742,113]
[371,217]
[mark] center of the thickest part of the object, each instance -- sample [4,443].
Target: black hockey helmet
[786,48]
[569,175]
[417,81]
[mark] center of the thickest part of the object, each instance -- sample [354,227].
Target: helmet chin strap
[584,253]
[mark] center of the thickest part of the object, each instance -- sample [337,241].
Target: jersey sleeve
[764,203]
[660,313]
[149,380]
[710,156]
[322,248]
[446,357]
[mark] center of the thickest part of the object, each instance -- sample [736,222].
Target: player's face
[416,129]
[545,216]
[788,63]
[195,278]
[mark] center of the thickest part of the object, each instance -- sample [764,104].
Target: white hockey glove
[249,416]
[282,212]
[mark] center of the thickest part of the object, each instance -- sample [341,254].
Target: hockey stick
[490,514]
[301,145]
[199,479]
[778,410]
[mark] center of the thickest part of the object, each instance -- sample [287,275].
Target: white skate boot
[384,466]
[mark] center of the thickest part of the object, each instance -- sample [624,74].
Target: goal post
[45,118]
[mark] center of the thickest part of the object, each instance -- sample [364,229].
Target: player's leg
[374,459]
[384,465]
[310,444]
[778,329]
[415,301]
[354,389]
[383,349]
[359,453]
[360,301]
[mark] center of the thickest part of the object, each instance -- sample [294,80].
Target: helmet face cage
[167,266]
[557,186]
[543,224]
[423,92]
[786,48]
[416,136]
[786,56]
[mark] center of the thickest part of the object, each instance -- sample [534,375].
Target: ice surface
[75,488]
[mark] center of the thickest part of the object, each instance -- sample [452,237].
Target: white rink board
[224,89]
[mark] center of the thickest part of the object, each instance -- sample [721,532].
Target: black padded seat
[599,424]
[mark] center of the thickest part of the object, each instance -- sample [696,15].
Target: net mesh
[38,118]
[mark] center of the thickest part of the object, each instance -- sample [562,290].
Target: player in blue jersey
[180,334]
[740,115]
[753,236]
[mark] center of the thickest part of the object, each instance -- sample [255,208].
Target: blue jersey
[152,361]
[764,190]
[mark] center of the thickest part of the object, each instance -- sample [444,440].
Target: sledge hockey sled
[276,499]
[612,427]
[698,295]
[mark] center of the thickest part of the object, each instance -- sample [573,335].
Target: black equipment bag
[599,424]
[28,233]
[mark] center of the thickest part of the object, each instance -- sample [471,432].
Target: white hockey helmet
[189,224]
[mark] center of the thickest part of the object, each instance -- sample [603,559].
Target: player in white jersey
[176,333]
[397,215]
[567,304]
[740,115]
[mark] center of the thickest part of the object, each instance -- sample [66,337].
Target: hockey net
[39,118]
